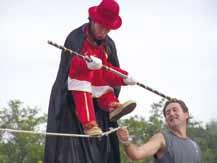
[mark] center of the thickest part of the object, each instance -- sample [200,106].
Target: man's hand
[130,80]
[95,64]
[123,135]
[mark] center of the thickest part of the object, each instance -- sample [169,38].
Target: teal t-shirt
[179,150]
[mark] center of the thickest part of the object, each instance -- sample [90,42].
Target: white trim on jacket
[86,86]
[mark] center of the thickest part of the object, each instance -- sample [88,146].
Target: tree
[21,148]
[26,148]
[211,151]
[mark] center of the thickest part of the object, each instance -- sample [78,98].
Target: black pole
[109,69]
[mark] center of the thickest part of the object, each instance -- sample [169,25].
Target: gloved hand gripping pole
[88,59]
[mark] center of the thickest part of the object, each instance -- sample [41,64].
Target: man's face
[175,116]
[99,31]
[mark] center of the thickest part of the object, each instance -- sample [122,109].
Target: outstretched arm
[155,144]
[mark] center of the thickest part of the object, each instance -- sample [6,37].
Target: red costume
[86,84]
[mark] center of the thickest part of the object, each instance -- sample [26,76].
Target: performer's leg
[85,112]
[110,103]
[105,101]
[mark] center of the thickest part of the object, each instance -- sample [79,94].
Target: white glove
[130,80]
[95,64]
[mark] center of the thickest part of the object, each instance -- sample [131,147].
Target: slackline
[58,134]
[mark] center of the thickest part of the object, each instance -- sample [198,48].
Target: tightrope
[58,134]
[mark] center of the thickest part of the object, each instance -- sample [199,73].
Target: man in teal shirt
[172,146]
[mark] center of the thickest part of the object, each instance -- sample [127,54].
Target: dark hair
[180,102]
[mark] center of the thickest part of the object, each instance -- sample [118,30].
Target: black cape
[62,119]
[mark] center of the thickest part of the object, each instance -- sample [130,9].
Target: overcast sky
[169,45]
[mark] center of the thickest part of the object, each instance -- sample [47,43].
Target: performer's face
[99,31]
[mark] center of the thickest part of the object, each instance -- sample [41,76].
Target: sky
[168,45]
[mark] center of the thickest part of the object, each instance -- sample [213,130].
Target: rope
[58,134]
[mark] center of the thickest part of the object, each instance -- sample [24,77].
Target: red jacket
[96,82]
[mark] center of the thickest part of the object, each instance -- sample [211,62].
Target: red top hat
[107,14]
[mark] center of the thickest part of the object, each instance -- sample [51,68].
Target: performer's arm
[115,80]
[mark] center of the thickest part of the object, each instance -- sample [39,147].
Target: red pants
[84,105]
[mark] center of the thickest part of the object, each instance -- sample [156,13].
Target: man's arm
[154,145]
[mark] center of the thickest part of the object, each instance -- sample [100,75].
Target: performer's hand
[95,64]
[123,135]
[130,80]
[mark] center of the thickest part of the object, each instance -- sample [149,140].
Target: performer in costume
[88,79]
[62,117]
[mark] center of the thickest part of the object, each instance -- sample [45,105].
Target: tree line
[28,148]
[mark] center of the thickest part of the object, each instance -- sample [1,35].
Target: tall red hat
[107,14]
